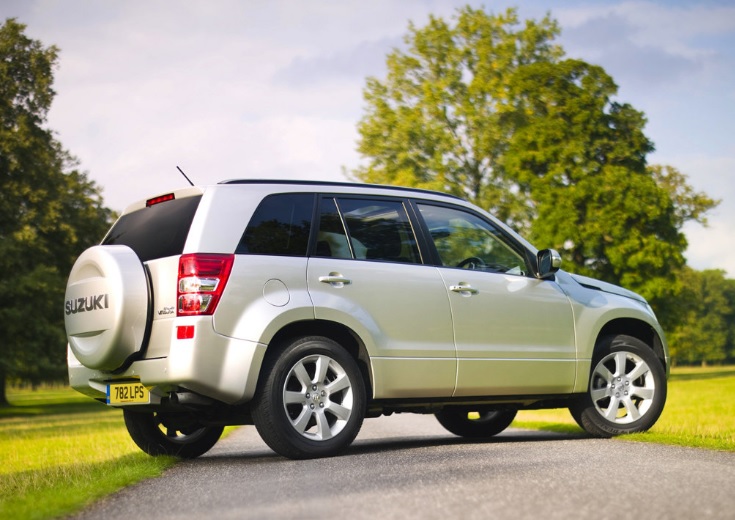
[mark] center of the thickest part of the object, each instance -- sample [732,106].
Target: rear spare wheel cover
[106,306]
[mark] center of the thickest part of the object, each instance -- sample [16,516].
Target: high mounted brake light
[202,279]
[158,200]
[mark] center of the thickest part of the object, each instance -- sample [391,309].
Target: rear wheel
[312,401]
[627,389]
[468,422]
[181,435]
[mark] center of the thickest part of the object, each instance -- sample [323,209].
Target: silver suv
[304,307]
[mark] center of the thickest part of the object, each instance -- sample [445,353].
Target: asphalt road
[407,466]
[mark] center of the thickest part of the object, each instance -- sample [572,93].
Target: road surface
[408,466]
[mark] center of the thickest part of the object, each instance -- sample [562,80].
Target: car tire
[312,400]
[467,422]
[180,435]
[627,389]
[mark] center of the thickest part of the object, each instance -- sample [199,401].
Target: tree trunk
[3,396]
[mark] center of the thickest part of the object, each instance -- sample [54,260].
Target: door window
[464,240]
[366,229]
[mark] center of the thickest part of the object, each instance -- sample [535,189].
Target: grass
[699,412]
[60,450]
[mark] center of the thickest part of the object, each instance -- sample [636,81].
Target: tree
[729,290]
[705,328]
[580,157]
[491,110]
[49,213]
[443,116]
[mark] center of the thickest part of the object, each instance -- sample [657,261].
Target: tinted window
[465,240]
[157,231]
[332,238]
[378,230]
[280,226]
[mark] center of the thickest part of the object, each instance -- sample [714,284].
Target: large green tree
[490,108]
[49,213]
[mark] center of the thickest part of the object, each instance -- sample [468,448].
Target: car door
[366,273]
[514,334]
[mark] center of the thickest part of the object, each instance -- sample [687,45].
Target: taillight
[202,278]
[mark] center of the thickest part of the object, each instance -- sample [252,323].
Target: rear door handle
[335,280]
[463,289]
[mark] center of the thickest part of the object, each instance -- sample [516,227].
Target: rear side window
[374,229]
[280,226]
[157,231]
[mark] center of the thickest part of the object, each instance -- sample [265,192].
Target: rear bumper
[223,368]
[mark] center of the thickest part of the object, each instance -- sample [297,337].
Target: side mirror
[548,262]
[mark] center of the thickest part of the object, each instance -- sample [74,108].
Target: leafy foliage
[443,116]
[580,158]
[49,213]
[705,325]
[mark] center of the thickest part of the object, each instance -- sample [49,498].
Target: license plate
[127,393]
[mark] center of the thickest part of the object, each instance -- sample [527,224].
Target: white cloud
[712,247]
[648,42]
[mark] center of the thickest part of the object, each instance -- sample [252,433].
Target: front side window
[366,229]
[465,240]
[280,226]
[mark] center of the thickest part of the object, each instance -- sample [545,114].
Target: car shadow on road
[407,443]
[397,444]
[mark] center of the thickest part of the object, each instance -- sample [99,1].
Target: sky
[254,89]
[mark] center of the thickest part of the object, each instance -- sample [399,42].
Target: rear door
[367,273]
[514,333]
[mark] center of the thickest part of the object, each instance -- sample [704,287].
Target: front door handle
[335,280]
[464,289]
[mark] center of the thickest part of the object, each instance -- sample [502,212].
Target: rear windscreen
[156,231]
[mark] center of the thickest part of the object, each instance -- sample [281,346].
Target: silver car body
[425,332]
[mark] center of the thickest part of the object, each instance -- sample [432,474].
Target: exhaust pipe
[191,400]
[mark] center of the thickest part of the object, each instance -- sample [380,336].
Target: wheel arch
[638,329]
[346,337]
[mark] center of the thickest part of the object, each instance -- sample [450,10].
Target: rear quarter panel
[264,294]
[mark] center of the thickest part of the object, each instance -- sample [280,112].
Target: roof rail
[336,183]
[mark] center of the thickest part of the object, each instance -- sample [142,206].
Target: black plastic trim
[138,355]
[294,182]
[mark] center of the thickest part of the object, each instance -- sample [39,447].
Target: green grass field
[61,451]
[699,412]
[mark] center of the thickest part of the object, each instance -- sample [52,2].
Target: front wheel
[164,433]
[312,400]
[475,424]
[627,389]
